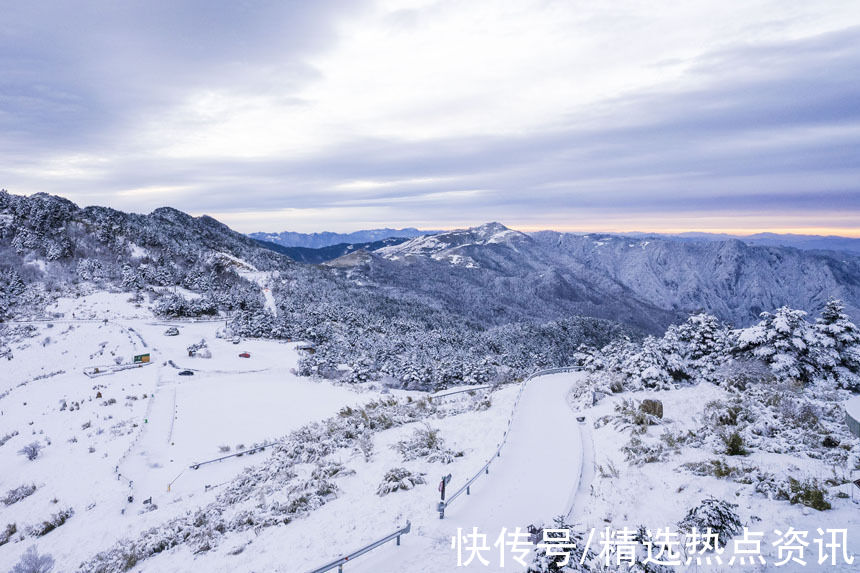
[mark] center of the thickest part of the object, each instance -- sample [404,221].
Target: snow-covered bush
[427,443]
[782,417]
[17,494]
[734,443]
[808,492]
[7,533]
[717,515]
[327,470]
[5,438]
[738,374]
[629,415]
[638,452]
[31,451]
[719,468]
[49,525]
[397,479]
[32,562]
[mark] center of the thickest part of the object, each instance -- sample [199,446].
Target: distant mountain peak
[455,246]
[491,227]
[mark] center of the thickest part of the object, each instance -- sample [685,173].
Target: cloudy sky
[326,115]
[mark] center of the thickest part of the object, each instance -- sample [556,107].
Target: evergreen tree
[649,366]
[786,342]
[131,278]
[840,338]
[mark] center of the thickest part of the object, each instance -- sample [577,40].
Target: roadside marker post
[442,485]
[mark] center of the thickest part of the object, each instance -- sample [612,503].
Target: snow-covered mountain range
[646,281]
[489,274]
[328,239]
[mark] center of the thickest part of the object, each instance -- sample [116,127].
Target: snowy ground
[96,455]
[658,495]
[162,423]
[150,424]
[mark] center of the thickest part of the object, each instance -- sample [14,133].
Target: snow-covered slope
[135,432]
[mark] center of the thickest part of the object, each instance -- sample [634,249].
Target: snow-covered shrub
[31,451]
[7,533]
[676,440]
[720,413]
[608,471]
[327,470]
[717,515]
[738,374]
[32,562]
[365,446]
[721,469]
[629,415]
[734,443]
[808,492]
[638,452]
[7,437]
[17,494]
[51,524]
[427,443]
[397,479]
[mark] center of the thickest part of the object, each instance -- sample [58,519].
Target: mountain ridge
[489,274]
[327,238]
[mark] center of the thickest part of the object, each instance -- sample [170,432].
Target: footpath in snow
[535,479]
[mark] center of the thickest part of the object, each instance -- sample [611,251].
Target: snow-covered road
[535,479]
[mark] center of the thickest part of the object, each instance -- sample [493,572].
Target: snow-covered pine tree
[786,342]
[715,514]
[840,338]
[649,366]
[11,288]
[704,344]
[131,278]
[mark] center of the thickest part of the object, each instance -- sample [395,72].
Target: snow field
[149,441]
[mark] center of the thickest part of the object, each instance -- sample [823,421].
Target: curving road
[536,479]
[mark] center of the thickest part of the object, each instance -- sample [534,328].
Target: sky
[628,115]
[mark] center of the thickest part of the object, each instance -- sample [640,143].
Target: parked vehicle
[245,355]
[186,373]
